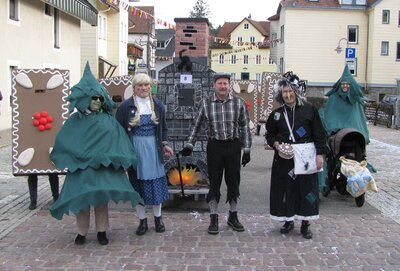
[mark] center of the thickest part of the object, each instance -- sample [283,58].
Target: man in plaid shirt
[228,133]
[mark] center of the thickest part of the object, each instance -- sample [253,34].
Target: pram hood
[346,134]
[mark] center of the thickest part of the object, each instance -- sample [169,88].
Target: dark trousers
[33,182]
[223,157]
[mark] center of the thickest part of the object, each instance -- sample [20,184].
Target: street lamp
[339,49]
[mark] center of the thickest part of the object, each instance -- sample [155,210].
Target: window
[221,59]
[245,59]
[385,16]
[239,40]
[352,35]
[270,61]
[233,76]
[244,76]
[282,33]
[281,65]
[56,29]
[252,39]
[398,51]
[246,26]
[272,41]
[160,44]
[354,2]
[102,26]
[258,59]
[48,10]
[258,77]
[385,48]
[398,20]
[14,10]
[233,59]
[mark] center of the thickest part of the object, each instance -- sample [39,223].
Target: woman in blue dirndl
[143,117]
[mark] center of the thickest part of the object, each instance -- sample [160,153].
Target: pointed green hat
[82,93]
[354,93]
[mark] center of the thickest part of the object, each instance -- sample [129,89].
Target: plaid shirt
[226,120]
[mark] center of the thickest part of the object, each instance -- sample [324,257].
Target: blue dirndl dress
[151,183]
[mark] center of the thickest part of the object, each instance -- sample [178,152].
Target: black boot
[32,185]
[305,230]
[102,238]
[287,227]
[54,185]
[80,240]
[142,227]
[159,224]
[234,223]
[213,228]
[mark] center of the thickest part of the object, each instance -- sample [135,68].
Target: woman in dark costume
[96,152]
[296,121]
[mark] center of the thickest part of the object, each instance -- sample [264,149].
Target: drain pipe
[366,59]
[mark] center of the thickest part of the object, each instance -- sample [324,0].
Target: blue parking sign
[350,52]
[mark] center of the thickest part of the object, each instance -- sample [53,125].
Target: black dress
[298,197]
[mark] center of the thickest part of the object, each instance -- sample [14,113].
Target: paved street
[345,238]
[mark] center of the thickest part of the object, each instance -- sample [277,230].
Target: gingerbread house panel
[39,109]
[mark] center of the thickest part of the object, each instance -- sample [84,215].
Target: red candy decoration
[36,115]
[36,123]
[42,121]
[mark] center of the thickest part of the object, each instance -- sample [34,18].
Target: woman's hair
[141,78]
[291,80]
[138,79]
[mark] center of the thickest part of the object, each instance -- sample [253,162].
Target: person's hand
[186,151]
[168,151]
[319,161]
[245,158]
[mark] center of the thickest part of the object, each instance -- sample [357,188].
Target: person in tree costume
[96,152]
[345,106]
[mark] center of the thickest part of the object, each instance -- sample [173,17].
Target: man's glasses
[95,98]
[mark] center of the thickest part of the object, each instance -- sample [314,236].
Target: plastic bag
[359,178]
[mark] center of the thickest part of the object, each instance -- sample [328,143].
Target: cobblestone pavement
[345,237]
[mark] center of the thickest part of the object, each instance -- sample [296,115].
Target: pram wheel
[360,200]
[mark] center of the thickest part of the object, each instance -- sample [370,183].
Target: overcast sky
[221,10]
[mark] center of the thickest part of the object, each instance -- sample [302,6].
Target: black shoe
[360,200]
[102,238]
[234,223]
[142,227]
[159,224]
[213,228]
[287,227]
[305,231]
[80,240]
[32,206]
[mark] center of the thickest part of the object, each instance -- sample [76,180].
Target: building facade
[243,49]
[39,35]
[313,38]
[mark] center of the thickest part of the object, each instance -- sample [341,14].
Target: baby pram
[346,142]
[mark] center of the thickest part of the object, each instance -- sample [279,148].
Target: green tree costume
[96,151]
[345,109]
